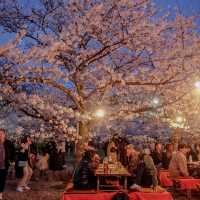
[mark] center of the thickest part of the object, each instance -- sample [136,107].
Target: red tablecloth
[96,196]
[152,196]
[189,184]
[164,178]
[108,196]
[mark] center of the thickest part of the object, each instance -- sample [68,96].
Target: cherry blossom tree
[119,56]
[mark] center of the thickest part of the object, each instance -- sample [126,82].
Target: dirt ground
[40,190]
[46,190]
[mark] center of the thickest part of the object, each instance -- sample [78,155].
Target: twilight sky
[188,7]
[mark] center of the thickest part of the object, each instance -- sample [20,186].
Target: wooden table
[114,171]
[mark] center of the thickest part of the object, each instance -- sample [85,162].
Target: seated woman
[178,164]
[84,177]
[146,173]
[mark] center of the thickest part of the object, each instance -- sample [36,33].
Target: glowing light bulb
[179,119]
[100,113]
[156,100]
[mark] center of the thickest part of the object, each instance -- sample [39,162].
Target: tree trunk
[84,133]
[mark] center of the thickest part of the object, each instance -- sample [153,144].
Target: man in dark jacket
[6,157]
[84,177]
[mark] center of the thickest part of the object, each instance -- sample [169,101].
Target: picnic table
[114,170]
[188,184]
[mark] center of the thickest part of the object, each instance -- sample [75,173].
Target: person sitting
[110,146]
[167,156]
[178,163]
[113,155]
[96,160]
[157,155]
[84,177]
[132,158]
[190,154]
[196,153]
[146,173]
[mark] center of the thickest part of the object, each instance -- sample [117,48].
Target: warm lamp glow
[100,113]
[156,101]
[197,85]
[179,119]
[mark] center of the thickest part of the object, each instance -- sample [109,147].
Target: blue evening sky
[187,7]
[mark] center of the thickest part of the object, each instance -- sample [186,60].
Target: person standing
[62,152]
[32,152]
[23,169]
[7,155]
[42,164]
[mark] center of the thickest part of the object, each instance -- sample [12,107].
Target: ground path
[44,190]
[41,190]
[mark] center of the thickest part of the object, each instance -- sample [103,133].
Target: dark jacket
[84,177]
[195,156]
[20,156]
[9,153]
[157,158]
[166,160]
[146,175]
[133,163]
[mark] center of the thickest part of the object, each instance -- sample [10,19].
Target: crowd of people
[143,164]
